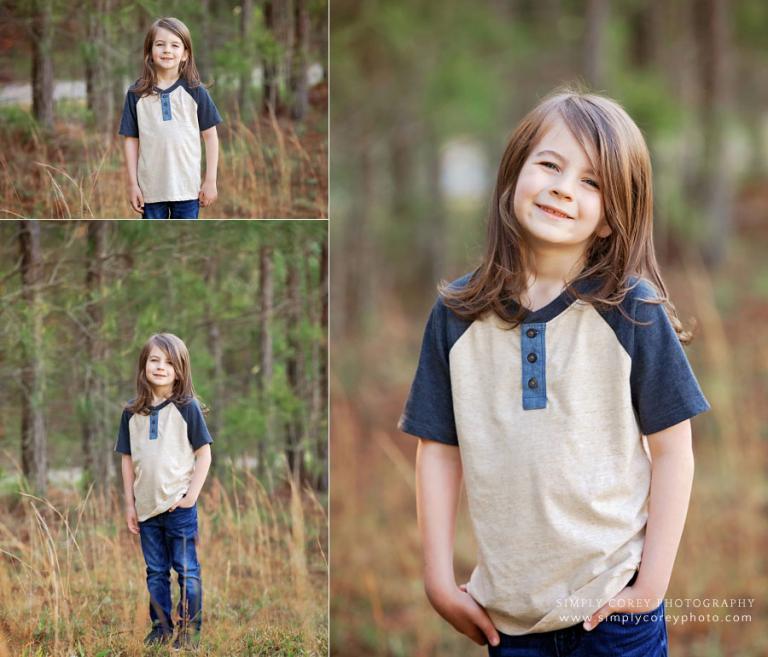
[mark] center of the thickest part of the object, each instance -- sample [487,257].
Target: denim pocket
[182,522]
[637,634]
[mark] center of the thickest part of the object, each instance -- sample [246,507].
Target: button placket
[153,425]
[533,359]
[165,104]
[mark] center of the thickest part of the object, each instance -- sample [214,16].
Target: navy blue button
[533,383]
[531,357]
[531,333]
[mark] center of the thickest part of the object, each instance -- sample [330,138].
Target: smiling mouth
[554,212]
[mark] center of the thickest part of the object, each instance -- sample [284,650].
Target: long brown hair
[624,166]
[177,353]
[187,69]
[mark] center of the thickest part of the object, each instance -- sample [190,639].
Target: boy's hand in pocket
[185,502]
[460,610]
[630,600]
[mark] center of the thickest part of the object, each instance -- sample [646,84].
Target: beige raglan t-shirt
[550,419]
[162,446]
[168,124]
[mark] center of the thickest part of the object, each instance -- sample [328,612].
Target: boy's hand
[132,518]
[185,502]
[460,610]
[136,198]
[208,193]
[630,600]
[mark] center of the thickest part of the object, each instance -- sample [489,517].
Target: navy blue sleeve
[664,388]
[123,434]
[129,124]
[197,431]
[207,114]
[429,410]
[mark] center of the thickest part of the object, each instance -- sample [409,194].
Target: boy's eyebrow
[548,152]
[561,158]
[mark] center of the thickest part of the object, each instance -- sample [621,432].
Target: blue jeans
[172,210]
[168,540]
[619,635]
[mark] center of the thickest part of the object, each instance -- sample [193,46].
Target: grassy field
[378,606]
[72,578]
[268,168]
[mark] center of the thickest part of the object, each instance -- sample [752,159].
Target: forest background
[65,68]
[79,299]
[425,97]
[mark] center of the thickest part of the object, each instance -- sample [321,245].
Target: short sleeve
[129,125]
[207,114]
[123,434]
[665,391]
[428,411]
[197,431]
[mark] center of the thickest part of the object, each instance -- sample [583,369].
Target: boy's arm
[130,506]
[671,482]
[438,482]
[135,197]
[202,464]
[208,192]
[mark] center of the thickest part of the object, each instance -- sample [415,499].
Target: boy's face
[557,199]
[167,51]
[159,370]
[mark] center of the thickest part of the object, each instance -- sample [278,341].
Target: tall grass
[267,169]
[72,579]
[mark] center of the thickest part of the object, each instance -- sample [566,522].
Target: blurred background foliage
[425,97]
[64,71]
[79,299]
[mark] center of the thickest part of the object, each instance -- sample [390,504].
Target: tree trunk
[294,426]
[42,63]
[269,95]
[356,268]
[33,439]
[594,43]
[266,357]
[203,48]
[96,468]
[244,89]
[433,231]
[320,400]
[299,87]
[646,31]
[215,347]
[98,65]
[710,18]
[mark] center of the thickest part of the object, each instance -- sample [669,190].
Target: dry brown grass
[268,168]
[72,579]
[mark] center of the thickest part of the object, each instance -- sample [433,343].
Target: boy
[166,456]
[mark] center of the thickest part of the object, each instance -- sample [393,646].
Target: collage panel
[158,110]
[499,430]
[163,443]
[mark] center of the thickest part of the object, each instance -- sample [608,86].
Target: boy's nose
[561,193]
